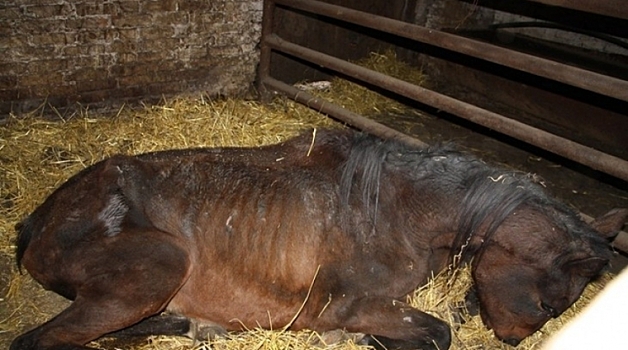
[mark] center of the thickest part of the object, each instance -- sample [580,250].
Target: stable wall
[104,53]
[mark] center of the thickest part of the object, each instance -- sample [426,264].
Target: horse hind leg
[161,324]
[391,324]
[125,279]
[172,325]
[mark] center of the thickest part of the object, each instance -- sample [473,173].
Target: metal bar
[326,107]
[265,50]
[578,77]
[611,8]
[537,137]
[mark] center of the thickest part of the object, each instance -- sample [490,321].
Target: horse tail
[25,232]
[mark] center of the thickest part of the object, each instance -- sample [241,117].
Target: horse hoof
[204,331]
[336,336]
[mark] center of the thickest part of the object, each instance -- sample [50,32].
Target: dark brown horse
[325,233]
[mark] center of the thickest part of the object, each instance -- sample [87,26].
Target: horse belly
[235,304]
[254,265]
[242,286]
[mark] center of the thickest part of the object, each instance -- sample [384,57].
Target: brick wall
[107,52]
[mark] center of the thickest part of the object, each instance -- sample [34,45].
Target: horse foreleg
[392,324]
[120,282]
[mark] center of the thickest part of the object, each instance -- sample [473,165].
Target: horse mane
[492,194]
[489,194]
[366,157]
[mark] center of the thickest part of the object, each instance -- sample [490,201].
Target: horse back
[158,190]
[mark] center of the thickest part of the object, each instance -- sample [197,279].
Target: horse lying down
[323,233]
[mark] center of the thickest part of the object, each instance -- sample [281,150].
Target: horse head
[536,264]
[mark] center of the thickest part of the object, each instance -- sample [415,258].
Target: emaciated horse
[322,233]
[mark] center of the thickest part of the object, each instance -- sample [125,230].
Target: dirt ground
[582,189]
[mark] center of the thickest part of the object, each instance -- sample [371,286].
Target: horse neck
[456,215]
[416,219]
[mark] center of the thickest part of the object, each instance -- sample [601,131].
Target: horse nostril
[512,341]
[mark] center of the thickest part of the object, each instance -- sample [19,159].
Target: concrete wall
[106,52]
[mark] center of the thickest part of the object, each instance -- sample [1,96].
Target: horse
[325,231]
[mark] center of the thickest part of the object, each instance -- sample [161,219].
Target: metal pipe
[265,51]
[323,106]
[571,150]
[578,77]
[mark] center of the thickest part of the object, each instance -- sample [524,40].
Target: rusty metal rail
[326,107]
[553,70]
[540,138]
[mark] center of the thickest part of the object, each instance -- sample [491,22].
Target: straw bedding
[37,155]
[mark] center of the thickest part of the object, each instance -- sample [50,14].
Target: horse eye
[550,310]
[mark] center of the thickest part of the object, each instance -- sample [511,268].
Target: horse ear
[609,224]
[587,267]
